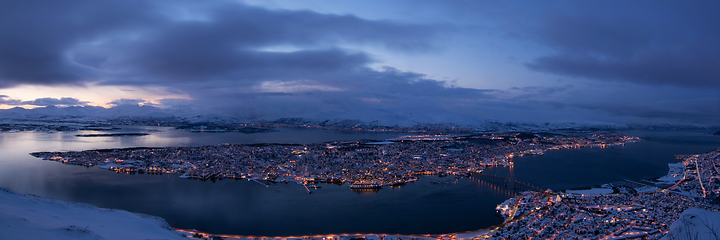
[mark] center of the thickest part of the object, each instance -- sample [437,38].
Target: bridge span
[509,183]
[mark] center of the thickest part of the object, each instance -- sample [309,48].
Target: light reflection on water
[241,207]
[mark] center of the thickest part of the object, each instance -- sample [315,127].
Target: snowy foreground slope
[695,223]
[31,217]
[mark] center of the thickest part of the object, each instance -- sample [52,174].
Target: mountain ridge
[378,120]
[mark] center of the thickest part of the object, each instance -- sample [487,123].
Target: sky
[528,61]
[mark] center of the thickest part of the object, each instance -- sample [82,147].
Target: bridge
[508,183]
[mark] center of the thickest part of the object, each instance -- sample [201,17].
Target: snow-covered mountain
[374,119]
[126,113]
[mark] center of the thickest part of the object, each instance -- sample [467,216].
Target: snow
[472,234]
[416,116]
[674,175]
[593,191]
[647,189]
[32,217]
[695,223]
[89,113]
[391,117]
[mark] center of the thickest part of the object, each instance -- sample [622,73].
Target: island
[362,164]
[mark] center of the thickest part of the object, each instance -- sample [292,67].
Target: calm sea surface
[247,208]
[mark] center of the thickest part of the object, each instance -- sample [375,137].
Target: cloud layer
[233,58]
[45,102]
[146,42]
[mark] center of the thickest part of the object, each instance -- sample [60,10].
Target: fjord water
[247,208]
[585,167]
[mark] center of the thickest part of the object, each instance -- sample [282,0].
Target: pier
[306,188]
[255,180]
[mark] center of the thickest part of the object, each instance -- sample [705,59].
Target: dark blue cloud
[151,42]
[663,43]
[5,99]
[66,101]
[168,65]
[37,35]
[125,101]
[650,112]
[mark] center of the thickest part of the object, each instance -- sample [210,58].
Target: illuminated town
[644,214]
[361,164]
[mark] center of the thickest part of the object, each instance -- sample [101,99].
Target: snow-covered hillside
[31,217]
[695,223]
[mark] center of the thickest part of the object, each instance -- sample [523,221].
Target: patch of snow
[674,175]
[695,223]
[593,191]
[646,189]
[32,217]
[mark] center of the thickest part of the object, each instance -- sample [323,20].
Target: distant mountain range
[130,114]
[69,118]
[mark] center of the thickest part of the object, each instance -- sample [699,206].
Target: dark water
[248,208]
[573,168]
